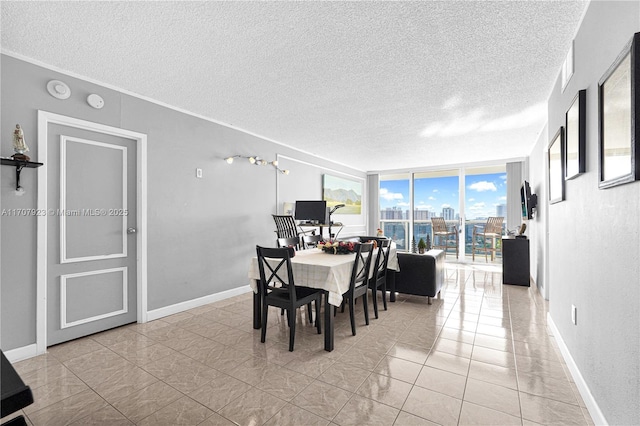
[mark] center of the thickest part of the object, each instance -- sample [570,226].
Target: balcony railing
[398,231]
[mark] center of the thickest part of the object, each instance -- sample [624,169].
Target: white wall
[594,235]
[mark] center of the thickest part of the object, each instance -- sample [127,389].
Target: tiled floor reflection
[481,354]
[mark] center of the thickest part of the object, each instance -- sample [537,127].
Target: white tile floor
[482,354]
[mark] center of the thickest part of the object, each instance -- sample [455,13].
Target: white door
[91,224]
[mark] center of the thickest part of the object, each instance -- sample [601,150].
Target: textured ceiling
[373,85]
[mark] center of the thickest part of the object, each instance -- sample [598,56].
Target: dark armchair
[420,274]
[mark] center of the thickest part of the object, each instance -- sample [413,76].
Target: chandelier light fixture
[257,161]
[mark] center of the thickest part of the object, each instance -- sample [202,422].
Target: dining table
[316,268]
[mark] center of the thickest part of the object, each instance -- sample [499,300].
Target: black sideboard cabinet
[515,261]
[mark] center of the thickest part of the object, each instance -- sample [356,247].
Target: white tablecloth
[316,269]
[393,258]
[313,268]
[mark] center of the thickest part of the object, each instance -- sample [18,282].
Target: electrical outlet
[574,315]
[198,173]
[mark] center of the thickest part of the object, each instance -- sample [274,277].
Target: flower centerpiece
[380,233]
[338,247]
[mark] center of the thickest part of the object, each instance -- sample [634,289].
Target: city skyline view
[483,194]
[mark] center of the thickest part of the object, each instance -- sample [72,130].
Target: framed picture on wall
[618,127]
[338,190]
[576,129]
[568,66]
[556,167]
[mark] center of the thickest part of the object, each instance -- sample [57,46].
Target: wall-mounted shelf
[19,165]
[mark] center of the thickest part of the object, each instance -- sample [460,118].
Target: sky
[483,193]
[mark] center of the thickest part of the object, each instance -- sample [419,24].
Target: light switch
[199,173]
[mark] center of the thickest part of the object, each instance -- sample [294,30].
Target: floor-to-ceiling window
[485,196]
[395,205]
[409,200]
[435,194]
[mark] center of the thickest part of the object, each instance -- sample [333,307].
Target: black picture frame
[575,136]
[555,161]
[618,127]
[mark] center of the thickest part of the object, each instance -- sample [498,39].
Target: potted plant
[421,246]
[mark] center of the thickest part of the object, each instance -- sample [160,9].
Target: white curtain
[373,220]
[514,182]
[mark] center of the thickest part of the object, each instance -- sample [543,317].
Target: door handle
[131,230]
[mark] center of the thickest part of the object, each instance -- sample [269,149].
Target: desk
[316,269]
[337,225]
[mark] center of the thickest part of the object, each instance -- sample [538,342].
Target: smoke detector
[95,101]
[58,89]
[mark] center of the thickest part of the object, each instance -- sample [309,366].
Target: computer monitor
[311,211]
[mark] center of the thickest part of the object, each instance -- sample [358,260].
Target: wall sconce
[257,161]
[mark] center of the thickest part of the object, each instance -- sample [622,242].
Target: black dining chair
[295,243]
[277,288]
[311,241]
[379,278]
[285,226]
[289,242]
[359,283]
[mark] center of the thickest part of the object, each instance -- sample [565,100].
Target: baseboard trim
[30,351]
[19,354]
[594,410]
[194,303]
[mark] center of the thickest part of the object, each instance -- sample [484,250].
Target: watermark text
[64,212]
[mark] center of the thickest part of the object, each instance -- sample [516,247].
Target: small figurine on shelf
[428,242]
[19,145]
[521,230]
